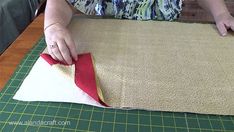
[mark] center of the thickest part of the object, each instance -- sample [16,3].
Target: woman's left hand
[224,22]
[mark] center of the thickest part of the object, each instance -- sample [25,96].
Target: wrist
[221,11]
[221,15]
[55,25]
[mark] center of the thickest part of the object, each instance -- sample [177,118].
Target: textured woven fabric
[166,66]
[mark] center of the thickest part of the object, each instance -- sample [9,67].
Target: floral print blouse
[131,9]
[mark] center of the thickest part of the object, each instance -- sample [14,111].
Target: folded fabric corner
[83,73]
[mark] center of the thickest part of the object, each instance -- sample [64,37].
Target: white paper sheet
[50,86]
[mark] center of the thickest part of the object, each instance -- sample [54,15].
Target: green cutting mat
[38,116]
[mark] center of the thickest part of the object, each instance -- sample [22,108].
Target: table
[51,116]
[15,53]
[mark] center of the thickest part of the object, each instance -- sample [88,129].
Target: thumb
[222,29]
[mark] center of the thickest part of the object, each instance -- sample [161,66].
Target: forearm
[57,11]
[215,7]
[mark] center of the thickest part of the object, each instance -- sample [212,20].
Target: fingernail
[224,34]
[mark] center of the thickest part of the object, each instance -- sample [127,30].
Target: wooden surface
[15,53]
[192,12]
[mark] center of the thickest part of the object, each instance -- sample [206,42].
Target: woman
[58,15]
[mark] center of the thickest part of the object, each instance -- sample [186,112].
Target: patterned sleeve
[131,9]
[148,9]
[85,6]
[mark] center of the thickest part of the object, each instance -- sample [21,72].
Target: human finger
[222,29]
[52,55]
[64,51]
[232,25]
[72,47]
[49,49]
[55,50]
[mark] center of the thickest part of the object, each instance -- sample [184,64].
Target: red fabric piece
[84,74]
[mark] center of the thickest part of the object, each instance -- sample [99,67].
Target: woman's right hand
[60,43]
